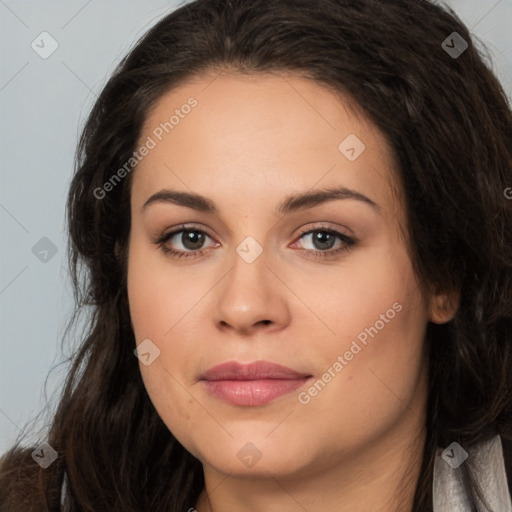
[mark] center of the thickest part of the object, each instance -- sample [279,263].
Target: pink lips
[252,384]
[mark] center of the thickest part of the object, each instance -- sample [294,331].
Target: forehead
[260,132]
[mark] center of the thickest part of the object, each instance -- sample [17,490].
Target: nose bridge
[249,294]
[249,267]
[250,250]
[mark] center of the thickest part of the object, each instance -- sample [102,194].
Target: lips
[251,384]
[253,371]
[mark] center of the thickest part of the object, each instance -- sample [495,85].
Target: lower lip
[252,392]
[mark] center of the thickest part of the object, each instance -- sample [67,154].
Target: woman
[296,216]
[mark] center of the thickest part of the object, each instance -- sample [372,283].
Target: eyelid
[323,226]
[184,227]
[347,241]
[196,227]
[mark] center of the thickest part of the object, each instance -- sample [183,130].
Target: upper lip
[233,370]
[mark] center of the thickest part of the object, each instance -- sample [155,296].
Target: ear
[443,307]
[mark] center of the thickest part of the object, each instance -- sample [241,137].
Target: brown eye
[192,240]
[183,242]
[324,241]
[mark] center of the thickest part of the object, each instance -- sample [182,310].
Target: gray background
[43,103]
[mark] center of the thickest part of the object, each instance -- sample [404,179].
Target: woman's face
[322,286]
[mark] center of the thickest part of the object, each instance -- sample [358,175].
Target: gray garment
[487,458]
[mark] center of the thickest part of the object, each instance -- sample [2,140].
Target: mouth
[252,384]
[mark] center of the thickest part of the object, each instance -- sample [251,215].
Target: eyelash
[348,241]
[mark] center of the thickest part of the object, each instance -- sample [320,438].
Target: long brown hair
[449,123]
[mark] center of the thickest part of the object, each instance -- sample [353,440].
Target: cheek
[380,339]
[377,299]
[157,303]
[140,287]
[181,413]
[157,296]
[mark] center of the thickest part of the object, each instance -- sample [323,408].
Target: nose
[251,297]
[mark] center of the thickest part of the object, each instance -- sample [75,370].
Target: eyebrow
[292,203]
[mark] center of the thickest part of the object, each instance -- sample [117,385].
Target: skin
[250,142]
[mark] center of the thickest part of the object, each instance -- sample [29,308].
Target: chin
[277,464]
[256,456]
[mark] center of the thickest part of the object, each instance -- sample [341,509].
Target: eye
[324,240]
[192,242]
[190,239]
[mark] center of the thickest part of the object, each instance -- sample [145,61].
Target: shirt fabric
[487,458]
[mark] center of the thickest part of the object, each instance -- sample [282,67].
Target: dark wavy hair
[449,124]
